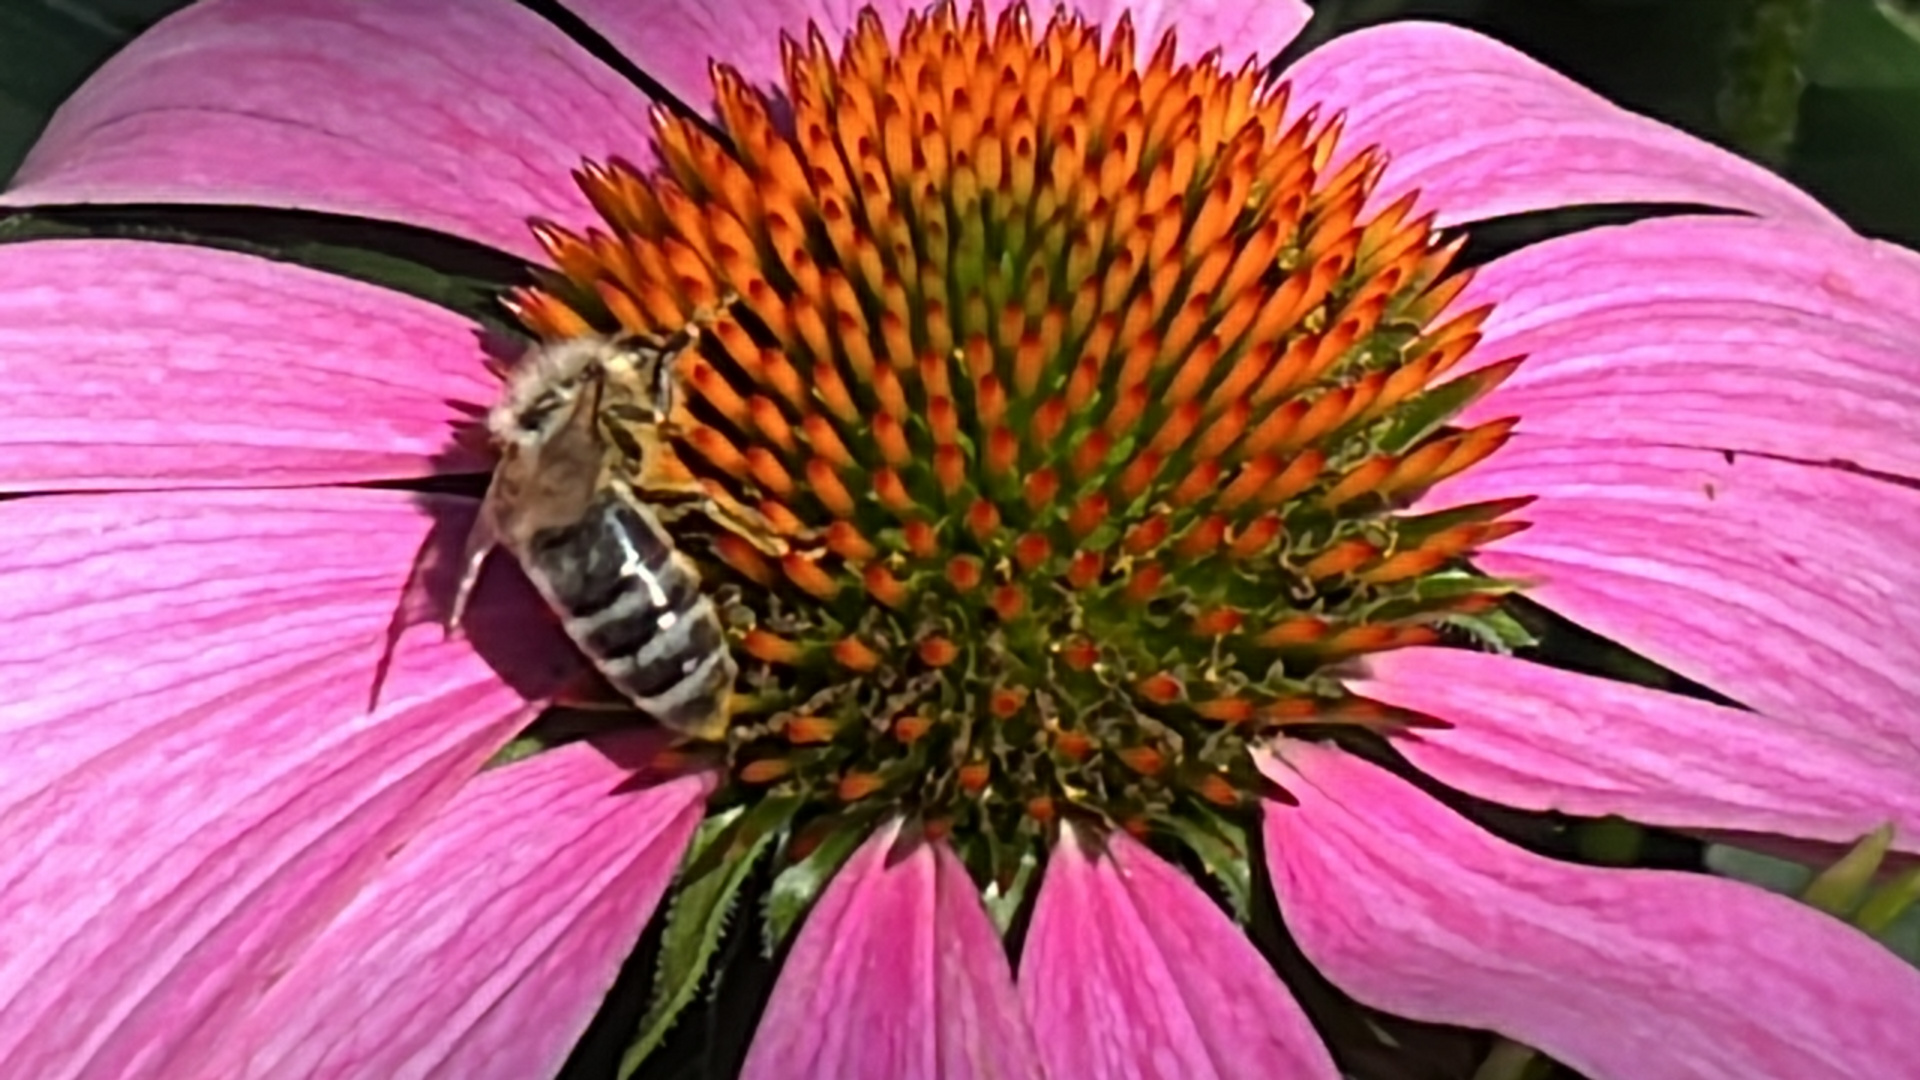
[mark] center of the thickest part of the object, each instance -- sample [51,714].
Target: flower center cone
[1090,399]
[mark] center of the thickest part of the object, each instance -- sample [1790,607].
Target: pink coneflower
[1156,485]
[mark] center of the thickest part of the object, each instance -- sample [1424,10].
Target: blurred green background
[1827,91]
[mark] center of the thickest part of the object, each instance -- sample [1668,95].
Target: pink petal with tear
[458,115]
[486,943]
[1717,332]
[194,771]
[1130,971]
[138,365]
[1787,587]
[673,41]
[1621,974]
[1481,130]
[897,975]
[1543,739]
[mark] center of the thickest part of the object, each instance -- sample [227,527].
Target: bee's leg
[669,348]
[731,605]
[730,515]
[676,492]
[481,540]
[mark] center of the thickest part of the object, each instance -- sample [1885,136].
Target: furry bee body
[584,481]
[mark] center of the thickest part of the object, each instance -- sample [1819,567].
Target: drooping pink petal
[458,115]
[1621,974]
[138,365]
[897,975]
[483,947]
[197,768]
[673,41]
[1130,971]
[1482,130]
[1717,332]
[1536,737]
[1790,588]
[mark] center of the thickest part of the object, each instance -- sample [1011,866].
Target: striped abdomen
[633,604]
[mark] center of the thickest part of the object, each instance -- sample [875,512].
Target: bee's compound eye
[539,413]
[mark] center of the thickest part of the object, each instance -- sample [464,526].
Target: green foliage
[799,885]
[47,47]
[1857,887]
[1610,841]
[1221,846]
[1840,888]
[723,852]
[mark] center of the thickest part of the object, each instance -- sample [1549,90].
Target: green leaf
[1865,45]
[1614,841]
[754,824]
[1428,412]
[1890,911]
[1497,630]
[1221,845]
[799,885]
[1887,904]
[1840,888]
[1859,146]
[1903,14]
[47,48]
[519,749]
[1509,1060]
[1004,903]
[715,867]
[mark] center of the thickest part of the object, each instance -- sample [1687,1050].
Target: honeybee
[586,479]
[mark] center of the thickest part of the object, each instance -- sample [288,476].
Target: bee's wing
[533,485]
[482,538]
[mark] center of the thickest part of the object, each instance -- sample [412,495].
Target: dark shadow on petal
[1565,644]
[507,623]
[1490,239]
[1553,835]
[456,273]
[585,36]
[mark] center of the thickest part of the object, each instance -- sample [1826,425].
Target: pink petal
[1787,587]
[897,975]
[1129,970]
[194,773]
[485,945]
[1543,739]
[1717,332]
[135,365]
[1482,130]
[674,41]
[458,115]
[1621,974]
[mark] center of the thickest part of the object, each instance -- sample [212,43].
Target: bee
[586,481]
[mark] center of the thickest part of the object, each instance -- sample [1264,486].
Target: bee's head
[545,387]
[543,390]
